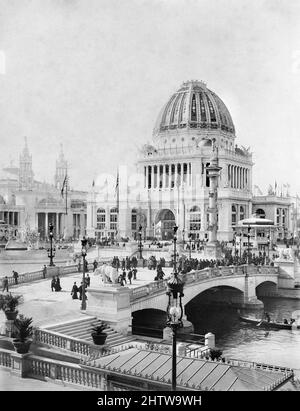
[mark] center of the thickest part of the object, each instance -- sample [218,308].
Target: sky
[93,75]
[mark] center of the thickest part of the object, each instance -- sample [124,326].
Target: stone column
[20,364]
[46,224]
[213,174]
[56,225]
[147,176]
[152,176]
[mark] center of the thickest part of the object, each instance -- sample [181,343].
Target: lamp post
[241,239]
[140,246]
[83,253]
[248,253]
[183,233]
[268,244]
[51,251]
[174,309]
[234,240]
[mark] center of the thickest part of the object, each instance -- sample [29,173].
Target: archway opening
[266,289]
[149,322]
[164,223]
[215,310]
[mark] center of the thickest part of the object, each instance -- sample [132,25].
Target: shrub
[24,328]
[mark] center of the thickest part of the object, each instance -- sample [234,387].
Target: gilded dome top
[194,106]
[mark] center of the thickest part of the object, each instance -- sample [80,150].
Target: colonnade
[10,217]
[167,175]
[238,177]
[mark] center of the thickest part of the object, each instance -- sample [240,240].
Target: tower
[25,169]
[61,169]
[213,175]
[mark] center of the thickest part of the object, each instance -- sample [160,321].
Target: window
[278,216]
[100,219]
[260,213]
[195,219]
[242,213]
[113,219]
[283,217]
[133,219]
[233,215]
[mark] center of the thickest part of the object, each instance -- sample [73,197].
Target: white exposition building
[172,184]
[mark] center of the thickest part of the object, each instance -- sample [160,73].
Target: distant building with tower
[30,205]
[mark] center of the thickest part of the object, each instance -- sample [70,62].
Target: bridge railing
[54,339]
[51,271]
[202,275]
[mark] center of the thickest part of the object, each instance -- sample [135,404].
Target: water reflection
[249,342]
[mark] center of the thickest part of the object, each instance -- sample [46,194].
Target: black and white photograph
[149,199]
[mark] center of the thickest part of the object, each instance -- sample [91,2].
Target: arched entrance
[164,223]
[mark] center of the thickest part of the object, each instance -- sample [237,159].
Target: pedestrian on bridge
[129,276]
[15,275]
[74,291]
[44,271]
[5,283]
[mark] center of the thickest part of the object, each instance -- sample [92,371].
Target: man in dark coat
[15,275]
[5,283]
[129,276]
[74,291]
[44,271]
[53,283]
[57,284]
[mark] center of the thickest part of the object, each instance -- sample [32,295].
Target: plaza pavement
[10,382]
[49,307]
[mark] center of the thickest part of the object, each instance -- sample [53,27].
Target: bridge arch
[265,288]
[149,321]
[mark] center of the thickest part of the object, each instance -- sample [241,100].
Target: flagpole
[66,192]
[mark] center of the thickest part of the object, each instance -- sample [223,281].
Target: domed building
[172,183]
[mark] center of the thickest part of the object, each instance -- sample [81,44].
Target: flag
[117,184]
[64,185]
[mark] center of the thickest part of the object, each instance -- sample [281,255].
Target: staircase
[81,329]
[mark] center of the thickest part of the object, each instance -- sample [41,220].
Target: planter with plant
[23,333]
[9,304]
[98,334]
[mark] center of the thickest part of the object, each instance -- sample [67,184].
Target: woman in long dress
[74,292]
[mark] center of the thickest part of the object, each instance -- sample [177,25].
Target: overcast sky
[94,74]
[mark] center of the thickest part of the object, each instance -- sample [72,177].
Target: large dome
[194,106]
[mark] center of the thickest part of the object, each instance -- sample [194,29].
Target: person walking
[124,277]
[95,264]
[134,271]
[57,284]
[15,275]
[87,280]
[44,271]
[74,291]
[5,283]
[129,276]
[53,284]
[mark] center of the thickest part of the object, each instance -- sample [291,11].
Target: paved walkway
[10,382]
[48,307]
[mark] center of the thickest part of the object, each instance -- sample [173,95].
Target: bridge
[239,285]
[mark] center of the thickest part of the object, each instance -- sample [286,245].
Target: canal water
[248,342]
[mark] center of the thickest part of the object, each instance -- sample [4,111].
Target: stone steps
[81,329]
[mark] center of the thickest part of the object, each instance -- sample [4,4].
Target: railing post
[210,340]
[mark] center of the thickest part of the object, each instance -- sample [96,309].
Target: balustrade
[201,275]
[62,341]
[5,358]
